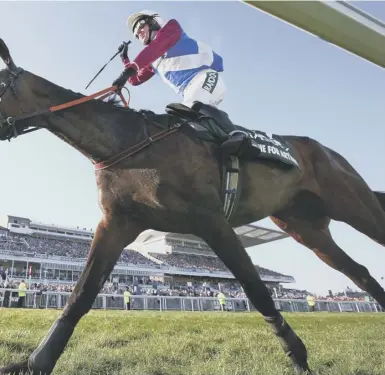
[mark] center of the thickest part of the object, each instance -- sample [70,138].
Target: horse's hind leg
[220,236]
[348,198]
[111,236]
[363,212]
[314,234]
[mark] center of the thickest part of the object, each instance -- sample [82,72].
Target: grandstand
[52,254]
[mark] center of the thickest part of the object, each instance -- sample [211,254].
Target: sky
[278,78]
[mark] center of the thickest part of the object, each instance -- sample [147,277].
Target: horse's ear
[6,56]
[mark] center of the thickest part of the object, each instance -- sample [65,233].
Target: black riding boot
[238,142]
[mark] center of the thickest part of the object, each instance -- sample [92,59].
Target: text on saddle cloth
[272,146]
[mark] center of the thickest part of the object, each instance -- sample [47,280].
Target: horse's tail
[380,195]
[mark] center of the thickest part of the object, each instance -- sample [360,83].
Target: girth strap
[135,149]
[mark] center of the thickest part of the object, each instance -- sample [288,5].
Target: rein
[108,91]
[102,94]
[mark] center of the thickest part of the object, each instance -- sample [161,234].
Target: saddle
[208,125]
[212,124]
[238,144]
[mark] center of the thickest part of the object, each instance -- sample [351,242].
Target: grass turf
[176,343]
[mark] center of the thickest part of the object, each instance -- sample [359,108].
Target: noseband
[6,121]
[10,84]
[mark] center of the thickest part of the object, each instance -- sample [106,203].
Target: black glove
[123,48]
[124,76]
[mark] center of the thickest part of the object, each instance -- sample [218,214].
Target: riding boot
[238,142]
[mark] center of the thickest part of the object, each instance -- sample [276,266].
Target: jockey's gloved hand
[124,76]
[123,48]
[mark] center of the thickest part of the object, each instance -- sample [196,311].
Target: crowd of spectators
[198,290]
[67,248]
[13,243]
[134,257]
[196,262]
[191,261]
[347,295]
[72,249]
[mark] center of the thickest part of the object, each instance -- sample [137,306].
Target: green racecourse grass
[173,343]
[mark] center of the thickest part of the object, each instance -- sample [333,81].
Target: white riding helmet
[134,18]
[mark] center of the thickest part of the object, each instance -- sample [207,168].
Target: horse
[152,171]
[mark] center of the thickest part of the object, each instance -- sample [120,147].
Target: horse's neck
[94,128]
[94,131]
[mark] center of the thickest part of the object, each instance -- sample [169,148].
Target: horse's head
[13,99]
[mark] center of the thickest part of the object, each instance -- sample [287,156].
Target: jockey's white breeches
[207,87]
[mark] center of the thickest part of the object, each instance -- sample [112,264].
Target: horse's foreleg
[219,235]
[111,236]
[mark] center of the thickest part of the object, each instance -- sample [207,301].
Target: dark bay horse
[174,185]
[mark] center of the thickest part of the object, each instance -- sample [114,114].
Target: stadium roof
[253,235]
[250,235]
[338,22]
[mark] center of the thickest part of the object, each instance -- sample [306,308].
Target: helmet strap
[151,36]
[153,26]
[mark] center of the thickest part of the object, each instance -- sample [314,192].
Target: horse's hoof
[304,370]
[16,369]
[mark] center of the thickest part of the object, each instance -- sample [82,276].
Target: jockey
[190,67]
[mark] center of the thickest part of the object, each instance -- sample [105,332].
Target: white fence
[57,300]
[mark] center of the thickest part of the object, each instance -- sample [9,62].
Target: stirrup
[238,131]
